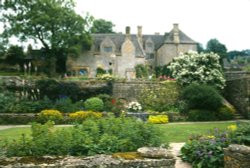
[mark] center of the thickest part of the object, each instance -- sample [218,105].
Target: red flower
[113,101]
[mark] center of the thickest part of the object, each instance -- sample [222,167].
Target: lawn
[14,133]
[173,132]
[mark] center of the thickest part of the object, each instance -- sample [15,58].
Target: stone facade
[122,52]
[237,156]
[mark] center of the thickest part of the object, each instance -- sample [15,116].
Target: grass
[173,132]
[14,133]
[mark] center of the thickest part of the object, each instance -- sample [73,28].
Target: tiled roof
[159,40]
[183,38]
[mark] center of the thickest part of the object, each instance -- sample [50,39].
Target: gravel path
[3,127]
[175,148]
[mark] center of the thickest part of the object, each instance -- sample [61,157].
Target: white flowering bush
[203,68]
[134,107]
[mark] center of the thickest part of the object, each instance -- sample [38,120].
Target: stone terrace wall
[98,161]
[131,90]
[237,156]
[237,92]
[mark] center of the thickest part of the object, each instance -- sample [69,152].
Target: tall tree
[53,23]
[102,26]
[215,46]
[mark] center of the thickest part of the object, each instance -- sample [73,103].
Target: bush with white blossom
[134,107]
[203,68]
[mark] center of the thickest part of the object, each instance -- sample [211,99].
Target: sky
[226,20]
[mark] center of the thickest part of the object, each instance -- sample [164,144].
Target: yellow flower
[158,119]
[82,115]
[210,136]
[232,127]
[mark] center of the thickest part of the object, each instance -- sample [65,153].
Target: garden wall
[98,161]
[237,92]
[131,90]
[237,156]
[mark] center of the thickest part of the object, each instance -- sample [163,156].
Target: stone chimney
[127,31]
[139,34]
[176,33]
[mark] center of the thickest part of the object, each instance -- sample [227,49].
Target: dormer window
[149,45]
[107,49]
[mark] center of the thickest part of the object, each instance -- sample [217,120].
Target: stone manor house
[122,52]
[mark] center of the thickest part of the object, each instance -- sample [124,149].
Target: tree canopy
[53,23]
[14,55]
[102,26]
[213,45]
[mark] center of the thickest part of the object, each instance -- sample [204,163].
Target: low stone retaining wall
[237,156]
[98,161]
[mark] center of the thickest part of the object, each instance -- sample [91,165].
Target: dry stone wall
[237,92]
[237,156]
[130,90]
[98,161]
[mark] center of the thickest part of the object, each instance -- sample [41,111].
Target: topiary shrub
[202,97]
[94,104]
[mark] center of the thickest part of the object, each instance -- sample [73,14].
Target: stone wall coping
[239,148]
[97,161]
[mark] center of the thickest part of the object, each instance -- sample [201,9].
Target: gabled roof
[118,40]
[183,38]
[159,40]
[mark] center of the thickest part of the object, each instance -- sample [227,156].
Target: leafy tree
[102,26]
[215,46]
[14,55]
[53,23]
[203,68]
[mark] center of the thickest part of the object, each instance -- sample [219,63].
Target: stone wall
[131,90]
[98,161]
[237,156]
[237,92]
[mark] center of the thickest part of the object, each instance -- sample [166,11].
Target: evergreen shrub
[201,97]
[94,104]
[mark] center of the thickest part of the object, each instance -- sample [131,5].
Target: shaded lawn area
[175,132]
